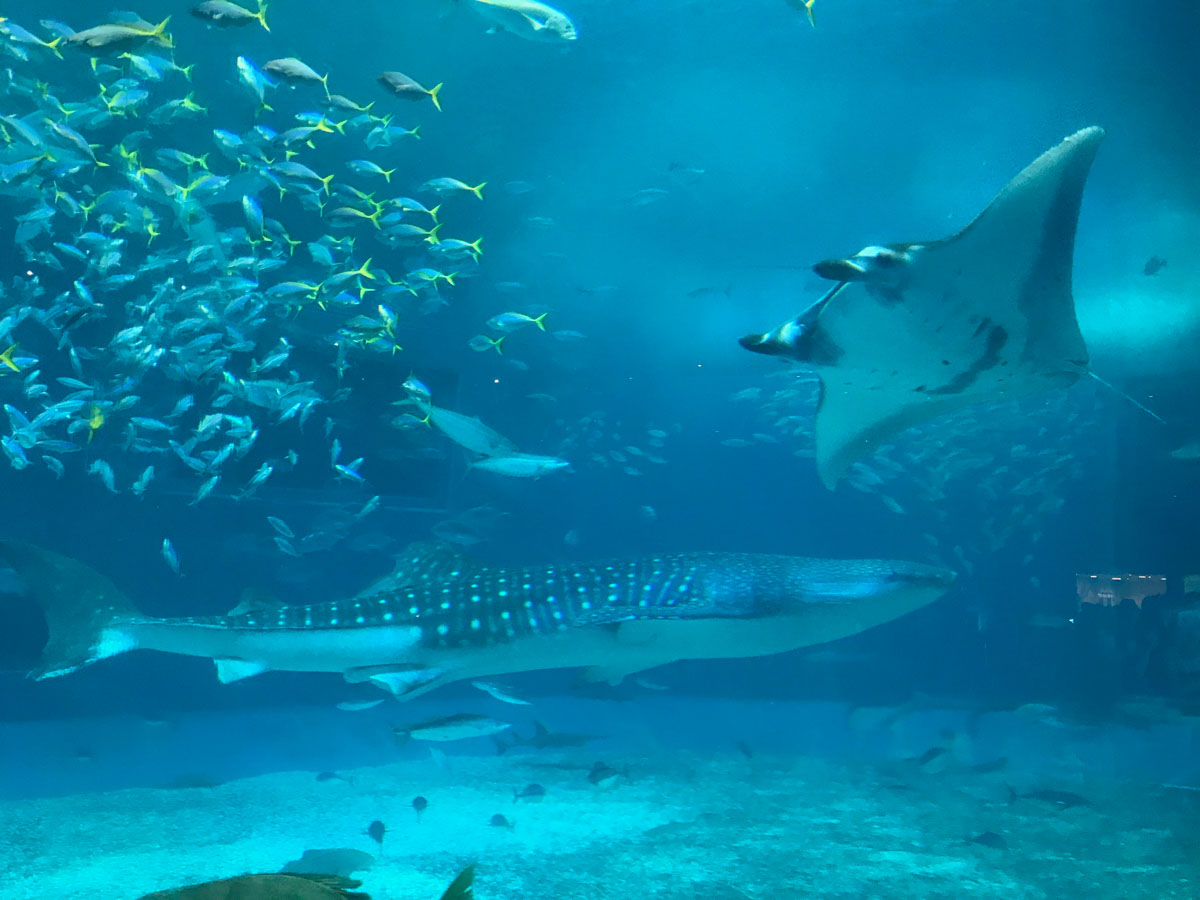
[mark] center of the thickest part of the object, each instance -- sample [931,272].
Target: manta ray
[914,331]
[442,616]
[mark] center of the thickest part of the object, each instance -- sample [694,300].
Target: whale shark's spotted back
[459,603]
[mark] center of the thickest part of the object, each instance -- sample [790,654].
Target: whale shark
[442,617]
[914,331]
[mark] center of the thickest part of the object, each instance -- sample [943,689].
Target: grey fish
[457,727]
[121,36]
[542,739]
[401,85]
[527,19]
[522,465]
[443,617]
[1060,799]
[296,71]
[470,433]
[224,12]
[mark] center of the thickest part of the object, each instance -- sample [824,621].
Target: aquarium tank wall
[682,450]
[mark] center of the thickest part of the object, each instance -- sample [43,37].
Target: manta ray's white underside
[914,331]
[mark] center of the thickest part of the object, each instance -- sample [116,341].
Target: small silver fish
[281,527]
[522,465]
[286,546]
[500,693]
[358,705]
[205,489]
[169,554]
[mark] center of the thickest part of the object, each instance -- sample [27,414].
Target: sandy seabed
[682,824]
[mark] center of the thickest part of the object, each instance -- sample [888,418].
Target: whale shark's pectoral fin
[402,682]
[639,636]
[230,670]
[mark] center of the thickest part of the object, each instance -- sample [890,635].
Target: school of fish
[162,315]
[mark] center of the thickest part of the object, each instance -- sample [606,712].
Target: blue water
[658,187]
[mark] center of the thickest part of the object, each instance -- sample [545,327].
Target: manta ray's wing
[918,330]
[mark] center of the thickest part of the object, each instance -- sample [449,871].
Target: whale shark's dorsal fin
[430,561]
[255,600]
[913,331]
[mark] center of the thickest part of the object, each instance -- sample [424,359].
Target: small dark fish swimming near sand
[1060,799]
[376,830]
[542,739]
[745,749]
[531,793]
[603,775]
[419,805]
[990,839]
[499,820]
[333,776]
[929,756]
[1154,265]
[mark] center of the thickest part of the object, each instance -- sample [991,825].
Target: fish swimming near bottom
[541,739]
[279,886]
[443,617]
[1057,799]
[297,886]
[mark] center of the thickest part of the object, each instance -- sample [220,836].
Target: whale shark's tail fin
[83,609]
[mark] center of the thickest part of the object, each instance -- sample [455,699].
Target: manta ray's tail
[83,609]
